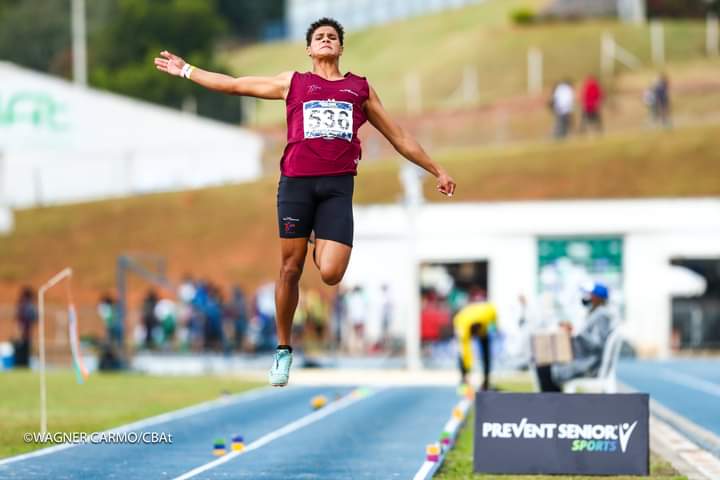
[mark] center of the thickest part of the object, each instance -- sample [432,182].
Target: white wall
[63,143]
[505,234]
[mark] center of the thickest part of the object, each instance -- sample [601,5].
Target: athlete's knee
[331,276]
[290,271]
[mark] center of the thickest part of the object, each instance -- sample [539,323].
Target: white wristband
[186,70]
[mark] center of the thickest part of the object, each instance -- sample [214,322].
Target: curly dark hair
[325,22]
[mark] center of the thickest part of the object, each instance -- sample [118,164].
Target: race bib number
[328,119]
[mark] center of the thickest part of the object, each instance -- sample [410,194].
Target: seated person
[476,320]
[587,345]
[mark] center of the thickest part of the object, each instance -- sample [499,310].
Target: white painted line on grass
[164,417]
[287,429]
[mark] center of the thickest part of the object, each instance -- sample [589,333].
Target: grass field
[229,233]
[105,401]
[439,47]
[459,463]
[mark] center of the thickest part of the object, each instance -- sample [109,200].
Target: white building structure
[63,143]
[389,248]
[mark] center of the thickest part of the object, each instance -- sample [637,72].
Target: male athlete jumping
[325,109]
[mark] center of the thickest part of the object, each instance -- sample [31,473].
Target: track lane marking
[309,419]
[692,382]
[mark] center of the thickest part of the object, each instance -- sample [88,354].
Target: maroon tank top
[323,119]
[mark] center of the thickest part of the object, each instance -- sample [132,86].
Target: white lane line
[692,382]
[162,418]
[354,397]
[452,427]
[424,471]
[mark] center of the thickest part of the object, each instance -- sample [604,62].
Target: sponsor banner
[555,433]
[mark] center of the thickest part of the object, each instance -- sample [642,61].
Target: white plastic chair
[605,380]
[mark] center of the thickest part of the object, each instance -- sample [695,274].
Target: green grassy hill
[229,234]
[439,47]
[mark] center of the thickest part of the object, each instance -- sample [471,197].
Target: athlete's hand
[170,63]
[445,184]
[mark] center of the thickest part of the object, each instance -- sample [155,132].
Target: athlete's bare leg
[332,260]
[293,251]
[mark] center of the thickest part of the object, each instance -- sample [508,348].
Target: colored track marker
[237,443]
[432,452]
[219,447]
[318,401]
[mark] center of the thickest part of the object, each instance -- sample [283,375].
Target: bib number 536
[328,119]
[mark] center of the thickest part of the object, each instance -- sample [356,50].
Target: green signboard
[597,255]
[565,264]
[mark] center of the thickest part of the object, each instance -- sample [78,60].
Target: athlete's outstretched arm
[271,88]
[405,144]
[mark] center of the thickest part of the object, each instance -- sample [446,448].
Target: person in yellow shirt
[476,320]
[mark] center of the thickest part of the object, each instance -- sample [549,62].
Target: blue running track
[381,435]
[689,387]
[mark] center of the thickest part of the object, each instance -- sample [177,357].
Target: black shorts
[323,204]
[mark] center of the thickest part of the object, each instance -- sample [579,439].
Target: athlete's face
[325,43]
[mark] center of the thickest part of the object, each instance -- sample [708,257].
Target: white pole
[607,54]
[412,332]
[413,93]
[657,40]
[41,346]
[41,343]
[411,178]
[470,85]
[535,71]
[713,35]
[79,46]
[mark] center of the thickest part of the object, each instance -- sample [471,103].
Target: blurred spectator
[186,291]
[657,98]
[563,103]
[149,320]
[265,317]
[316,315]
[592,97]
[477,320]
[339,315]
[237,310]
[587,346]
[26,317]
[107,310]
[211,310]
[166,314]
[357,311]
[457,299]
[386,318]
[435,323]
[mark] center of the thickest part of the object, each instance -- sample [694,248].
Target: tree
[36,34]
[137,30]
